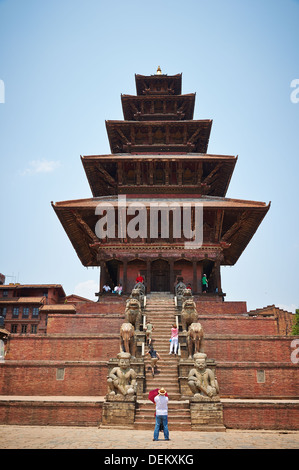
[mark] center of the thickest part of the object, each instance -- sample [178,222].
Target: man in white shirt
[106,288]
[161,414]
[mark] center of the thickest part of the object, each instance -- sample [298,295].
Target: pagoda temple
[160,153]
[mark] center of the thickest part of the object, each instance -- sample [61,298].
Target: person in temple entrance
[139,278]
[204,282]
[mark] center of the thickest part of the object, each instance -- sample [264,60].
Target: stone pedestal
[206,415]
[119,412]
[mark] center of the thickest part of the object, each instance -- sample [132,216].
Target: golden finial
[159,72]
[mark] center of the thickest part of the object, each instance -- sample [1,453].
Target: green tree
[295,330]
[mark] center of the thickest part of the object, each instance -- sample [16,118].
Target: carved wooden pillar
[167,173]
[125,276]
[138,173]
[148,276]
[218,276]
[200,277]
[171,275]
[195,286]
[103,277]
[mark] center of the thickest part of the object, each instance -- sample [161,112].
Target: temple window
[35,311]
[15,312]
[25,312]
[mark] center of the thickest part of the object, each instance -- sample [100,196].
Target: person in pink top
[174,340]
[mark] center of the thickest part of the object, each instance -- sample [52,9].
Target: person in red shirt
[139,278]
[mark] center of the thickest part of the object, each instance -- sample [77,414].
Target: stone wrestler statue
[201,380]
[122,379]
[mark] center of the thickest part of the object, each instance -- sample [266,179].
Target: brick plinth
[206,416]
[51,412]
[118,413]
[270,414]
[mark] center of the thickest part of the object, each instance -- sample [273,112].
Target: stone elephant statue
[194,339]
[189,314]
[127,338]
[133,313]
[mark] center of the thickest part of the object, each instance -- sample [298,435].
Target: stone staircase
[160,310]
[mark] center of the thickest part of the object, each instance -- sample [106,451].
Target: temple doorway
[160,276]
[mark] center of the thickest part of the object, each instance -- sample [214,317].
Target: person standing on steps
[148,332]
[154,358]
[161,414]
[174,340]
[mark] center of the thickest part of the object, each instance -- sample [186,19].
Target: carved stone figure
[122,380]
[133,313]
[140,288]
[187,294]
[179,290]
[127,338]
[202,380]
[194,339]
[189,314]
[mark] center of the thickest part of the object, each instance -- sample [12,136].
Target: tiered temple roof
[159,151]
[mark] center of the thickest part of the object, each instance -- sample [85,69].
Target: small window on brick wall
[60,373]
[260,376]
[35,311]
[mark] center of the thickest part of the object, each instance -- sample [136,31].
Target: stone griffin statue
[189,313]
[133,313]
[194,339]
[122,380]
[127,338]
[202,381]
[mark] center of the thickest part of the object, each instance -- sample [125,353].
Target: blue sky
[65,63]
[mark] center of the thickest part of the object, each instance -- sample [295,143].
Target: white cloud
[41,166]
[87,289]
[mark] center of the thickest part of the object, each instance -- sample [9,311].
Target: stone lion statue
[189,314]
[179,290]
[194,339]
[139,292]
[133,312]
[127,338]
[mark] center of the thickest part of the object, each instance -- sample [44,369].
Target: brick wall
[84,323]
[45,378]
[241,380]
[236,414]
[261,415]
[207,307]
[44,413]
[107,305]
[63,348]
[243,348]
[237,324]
